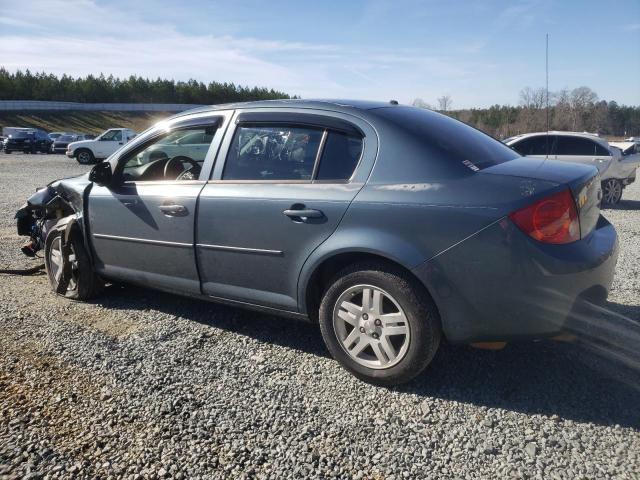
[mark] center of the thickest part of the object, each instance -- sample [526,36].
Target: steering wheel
[172,162]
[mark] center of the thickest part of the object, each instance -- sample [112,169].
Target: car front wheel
[379,323]
[611,191]
[85,157]
[84,283]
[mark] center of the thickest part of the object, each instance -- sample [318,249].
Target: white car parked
[191,145]
[616,170]
[88,151]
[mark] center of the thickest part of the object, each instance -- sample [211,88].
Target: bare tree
[534,98]
[444,103]
[420,103]
[533,101]
[562,114]
[581,101]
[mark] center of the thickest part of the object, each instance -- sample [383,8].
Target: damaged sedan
[393,227]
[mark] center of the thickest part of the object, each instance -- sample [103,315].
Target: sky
[478,52]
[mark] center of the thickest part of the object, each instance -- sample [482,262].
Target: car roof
[332,104]
[591,136]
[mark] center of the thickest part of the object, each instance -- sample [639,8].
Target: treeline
[578,110]
[100,89]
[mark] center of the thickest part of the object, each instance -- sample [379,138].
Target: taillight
[551,220]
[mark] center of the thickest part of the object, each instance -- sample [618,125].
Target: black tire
[7,152]
[85,284]
[421,313]
[84,156]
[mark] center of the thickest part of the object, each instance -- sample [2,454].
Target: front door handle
[303,213]
[173,210]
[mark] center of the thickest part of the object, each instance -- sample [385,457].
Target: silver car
[615,171]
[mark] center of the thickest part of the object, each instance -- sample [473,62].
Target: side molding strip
[226,248]
[143,240]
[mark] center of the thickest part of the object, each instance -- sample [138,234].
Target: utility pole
[547,88]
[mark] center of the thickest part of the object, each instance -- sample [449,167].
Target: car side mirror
[101,174]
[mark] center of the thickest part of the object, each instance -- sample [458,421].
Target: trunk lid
[583,180]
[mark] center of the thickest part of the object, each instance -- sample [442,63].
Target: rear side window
[601,151]
[272,153]
[340,156]
[447,141]
[575,146]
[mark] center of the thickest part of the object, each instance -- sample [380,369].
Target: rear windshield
[66,138]
[449,139]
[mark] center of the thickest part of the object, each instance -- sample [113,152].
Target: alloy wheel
[612,191]
[371,327]
[84,157]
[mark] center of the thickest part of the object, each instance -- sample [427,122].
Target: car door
[271,202]
[142,227]
[108,143]
[582,150]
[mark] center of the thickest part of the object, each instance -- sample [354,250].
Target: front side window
[112,135]
[538,145]
[178,155]
[575,146]
[272,153]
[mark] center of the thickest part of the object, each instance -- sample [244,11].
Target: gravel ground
[140,384]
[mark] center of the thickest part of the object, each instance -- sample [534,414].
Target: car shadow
[624,205]
[573,381]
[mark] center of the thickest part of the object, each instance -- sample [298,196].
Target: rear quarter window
[448,140]
[340,156]
[575,146]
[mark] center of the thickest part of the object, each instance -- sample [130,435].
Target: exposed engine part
[42,210]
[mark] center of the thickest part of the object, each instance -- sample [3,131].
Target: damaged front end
[58,205]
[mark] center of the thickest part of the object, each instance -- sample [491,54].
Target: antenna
[547,88]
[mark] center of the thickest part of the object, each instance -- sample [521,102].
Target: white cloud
[93,39]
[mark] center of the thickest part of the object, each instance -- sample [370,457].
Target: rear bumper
[501,285]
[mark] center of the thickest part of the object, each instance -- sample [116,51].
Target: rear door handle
[173,210]
[304,213]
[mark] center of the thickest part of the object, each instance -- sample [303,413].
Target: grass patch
[81,122]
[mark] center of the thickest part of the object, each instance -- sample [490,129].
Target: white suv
[88,151]
[615,171]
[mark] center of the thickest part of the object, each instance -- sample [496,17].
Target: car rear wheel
[611,191]
[85,157]
[84,283]
[379,323]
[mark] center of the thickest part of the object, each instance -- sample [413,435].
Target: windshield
[21,135]
[66,138]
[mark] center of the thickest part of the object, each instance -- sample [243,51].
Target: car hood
[80,143]
[71,189]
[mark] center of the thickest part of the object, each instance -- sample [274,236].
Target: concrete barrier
[22,105]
